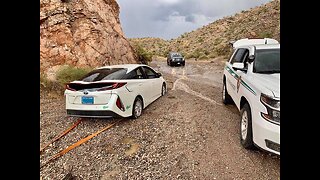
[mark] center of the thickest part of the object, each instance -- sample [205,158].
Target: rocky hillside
[152,45]
[212,40]
[82,33]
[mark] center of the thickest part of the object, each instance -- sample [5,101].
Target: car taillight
[118,85]
[113,86]
[68,87]
[119,104]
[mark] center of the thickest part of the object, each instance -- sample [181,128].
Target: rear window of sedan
[104,74]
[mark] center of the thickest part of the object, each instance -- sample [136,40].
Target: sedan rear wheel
[137,108]
[164,89]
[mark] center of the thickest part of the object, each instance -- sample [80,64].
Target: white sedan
[114,91]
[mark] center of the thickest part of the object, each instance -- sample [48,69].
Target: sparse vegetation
[49,85]
[265,34]
[64,75]
[203,57]
[70,73]
[143,56]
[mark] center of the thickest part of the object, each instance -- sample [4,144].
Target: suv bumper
[175,63]
[266,135]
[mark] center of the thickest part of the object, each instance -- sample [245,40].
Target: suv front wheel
[246,127]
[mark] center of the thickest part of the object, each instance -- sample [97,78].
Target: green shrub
[48,85]
[223,50]
[67,74]
[202,57]
[200,40]
[143,56]
[265,34]
[212,55]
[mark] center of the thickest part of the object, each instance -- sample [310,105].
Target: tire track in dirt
[182,86]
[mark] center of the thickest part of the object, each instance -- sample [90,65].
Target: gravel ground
[186,134]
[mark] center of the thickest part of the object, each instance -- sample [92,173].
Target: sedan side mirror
[238,66]
[159,75]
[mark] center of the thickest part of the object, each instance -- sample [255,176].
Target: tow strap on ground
[81,141]
[61,135]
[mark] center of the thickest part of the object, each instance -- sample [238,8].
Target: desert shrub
[200,40]
[212,55]
[143,56]
[67,74]
[217,41]
[203,57]
[223,50]
[265,34]
[49,85]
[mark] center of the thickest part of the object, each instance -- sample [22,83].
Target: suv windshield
[176,55]
[104,74]
[267,61]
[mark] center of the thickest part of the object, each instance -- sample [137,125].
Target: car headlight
[273,108]
[270,101]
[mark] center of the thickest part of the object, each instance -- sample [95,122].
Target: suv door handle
[140,84]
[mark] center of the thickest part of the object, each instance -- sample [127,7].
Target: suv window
[104,74]
[238,57]
[267,61]
[150,73]
[134,74]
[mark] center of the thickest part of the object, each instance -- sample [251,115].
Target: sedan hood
[270,82]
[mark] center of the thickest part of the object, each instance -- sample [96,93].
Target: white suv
[251,79]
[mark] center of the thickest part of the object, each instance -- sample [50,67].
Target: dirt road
[187,134]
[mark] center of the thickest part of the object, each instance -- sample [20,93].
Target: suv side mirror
[238,66]
[251,58]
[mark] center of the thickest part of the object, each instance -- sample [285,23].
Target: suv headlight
[273,108]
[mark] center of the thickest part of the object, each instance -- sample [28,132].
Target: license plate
[87,100]
[178,63]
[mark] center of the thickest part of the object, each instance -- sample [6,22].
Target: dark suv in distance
[175,58]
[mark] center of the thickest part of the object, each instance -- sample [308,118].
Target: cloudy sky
[170,18]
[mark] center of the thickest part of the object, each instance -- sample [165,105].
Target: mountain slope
[212,40]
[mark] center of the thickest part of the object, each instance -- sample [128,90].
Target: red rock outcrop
[82,33]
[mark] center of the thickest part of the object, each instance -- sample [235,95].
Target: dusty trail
[186,134]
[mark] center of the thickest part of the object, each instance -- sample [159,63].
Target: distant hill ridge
[212,40]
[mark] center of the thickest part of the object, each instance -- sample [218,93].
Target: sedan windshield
[104,74]
[267,61]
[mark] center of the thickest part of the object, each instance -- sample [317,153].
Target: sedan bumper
[95,114]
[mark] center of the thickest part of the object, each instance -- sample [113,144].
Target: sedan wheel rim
[163,90]
[138,108]
[244,125]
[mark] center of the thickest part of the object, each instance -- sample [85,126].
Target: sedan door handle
[140,84]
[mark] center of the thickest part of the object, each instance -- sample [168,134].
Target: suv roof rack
[247,41]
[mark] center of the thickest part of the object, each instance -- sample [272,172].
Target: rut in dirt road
[180,85]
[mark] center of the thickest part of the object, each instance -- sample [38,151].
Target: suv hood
[270,82]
